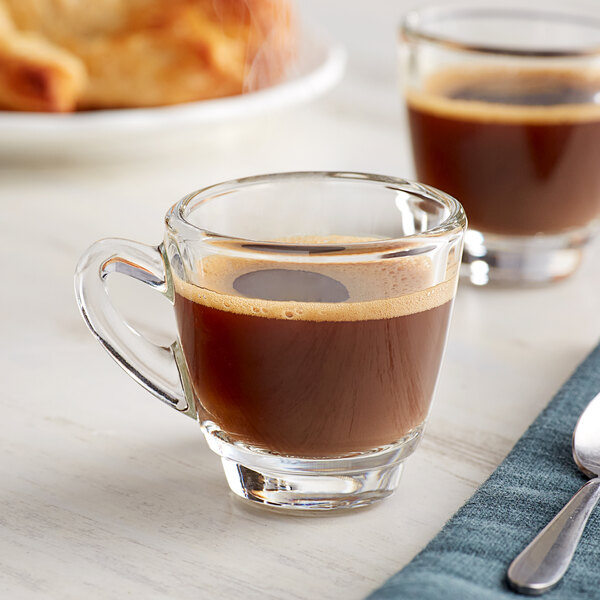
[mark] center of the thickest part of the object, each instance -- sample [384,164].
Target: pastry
[132,53]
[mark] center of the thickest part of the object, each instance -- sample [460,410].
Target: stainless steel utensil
[543,563]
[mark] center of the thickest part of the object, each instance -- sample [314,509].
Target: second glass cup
[312,312]
[504,114]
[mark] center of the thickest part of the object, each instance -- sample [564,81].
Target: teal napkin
[469,557]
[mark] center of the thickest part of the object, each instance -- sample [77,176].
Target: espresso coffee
[519,149]
[300,360]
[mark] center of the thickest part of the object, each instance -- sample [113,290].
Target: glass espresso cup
[503,106]
[312,312]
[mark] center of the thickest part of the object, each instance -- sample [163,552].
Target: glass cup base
[522,260]
[310,491]
[311,484]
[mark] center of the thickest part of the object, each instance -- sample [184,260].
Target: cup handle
[161,370]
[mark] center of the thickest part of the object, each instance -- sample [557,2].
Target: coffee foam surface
[433,98]
[378,290]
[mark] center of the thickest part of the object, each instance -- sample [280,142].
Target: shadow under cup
[312,313]
[503,105]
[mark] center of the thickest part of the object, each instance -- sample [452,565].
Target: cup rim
[413,23]
[176,219]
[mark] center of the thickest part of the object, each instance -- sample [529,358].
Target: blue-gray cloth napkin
[468,559]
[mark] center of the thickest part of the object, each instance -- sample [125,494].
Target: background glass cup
[312,311]
[503,107]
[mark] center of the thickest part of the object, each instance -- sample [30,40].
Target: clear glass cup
[503,106]
[312,313]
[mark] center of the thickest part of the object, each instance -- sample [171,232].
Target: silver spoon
[543,563]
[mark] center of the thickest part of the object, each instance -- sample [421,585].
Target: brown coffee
[301,361]
[519,149]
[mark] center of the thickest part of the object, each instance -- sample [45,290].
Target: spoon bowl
[586,439]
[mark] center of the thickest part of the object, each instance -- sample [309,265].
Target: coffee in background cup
[503,106]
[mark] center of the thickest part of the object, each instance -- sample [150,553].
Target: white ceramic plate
[319,67]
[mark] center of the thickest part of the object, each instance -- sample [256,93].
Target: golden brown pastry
[153,52]
[36,75]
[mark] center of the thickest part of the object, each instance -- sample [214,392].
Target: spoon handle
[543,563]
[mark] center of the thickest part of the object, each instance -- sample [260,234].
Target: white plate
[319,67]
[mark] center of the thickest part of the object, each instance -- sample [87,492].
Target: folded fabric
[468,559]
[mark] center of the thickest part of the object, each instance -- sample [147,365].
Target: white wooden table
[106,493]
